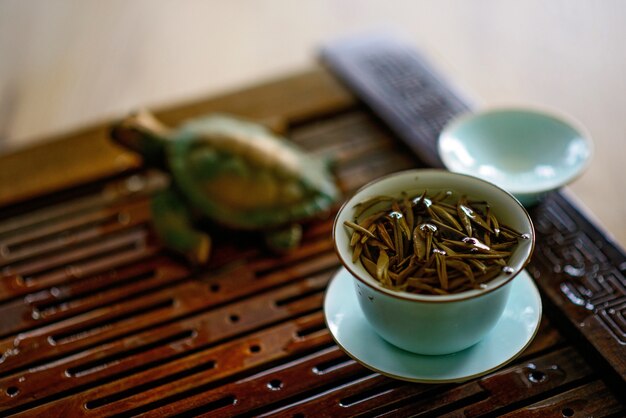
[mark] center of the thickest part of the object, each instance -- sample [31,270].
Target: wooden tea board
[96,319]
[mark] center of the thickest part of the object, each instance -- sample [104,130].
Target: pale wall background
[67,63]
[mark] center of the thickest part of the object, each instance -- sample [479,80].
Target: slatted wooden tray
[96,319]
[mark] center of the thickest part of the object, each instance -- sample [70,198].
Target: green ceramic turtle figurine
[231,171]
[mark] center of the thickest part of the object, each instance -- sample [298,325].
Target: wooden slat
[113,322]
[535,376]
[200,330]
[591,400]
[386,396]
[178,374]
[59,302]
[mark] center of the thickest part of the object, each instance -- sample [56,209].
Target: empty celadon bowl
[526,152]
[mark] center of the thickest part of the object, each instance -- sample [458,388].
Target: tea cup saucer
[512,334]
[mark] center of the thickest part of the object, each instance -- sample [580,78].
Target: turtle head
[144,134]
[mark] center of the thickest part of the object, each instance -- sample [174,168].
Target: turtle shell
[241,175]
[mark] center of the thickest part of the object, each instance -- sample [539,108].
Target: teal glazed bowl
[528,153]
[437,324]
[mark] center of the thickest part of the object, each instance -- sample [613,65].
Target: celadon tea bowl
[434,324]
[527,152]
